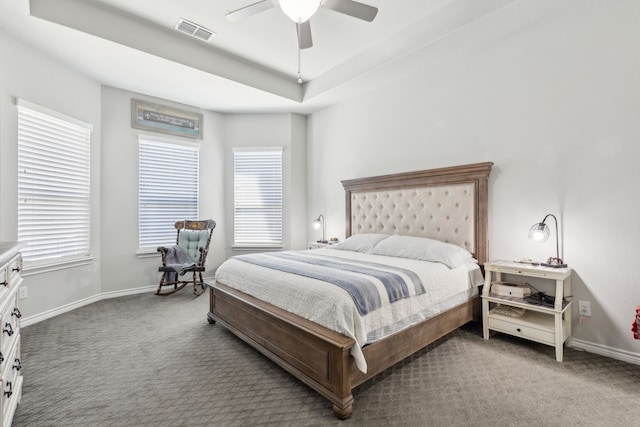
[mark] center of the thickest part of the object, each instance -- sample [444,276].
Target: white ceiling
[249,66]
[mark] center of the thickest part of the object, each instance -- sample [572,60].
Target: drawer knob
[518,329]
[5,283]
[1,357]
[8,329]
[15,269]
[9,390]
[17,365]
[16,312]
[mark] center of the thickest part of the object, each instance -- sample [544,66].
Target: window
[53,184]
[257,197]
[168,190]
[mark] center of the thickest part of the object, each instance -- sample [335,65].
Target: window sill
[40,268]
[257,247]
[147,253]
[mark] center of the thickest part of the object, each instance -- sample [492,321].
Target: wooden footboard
[318,356]
[314,354]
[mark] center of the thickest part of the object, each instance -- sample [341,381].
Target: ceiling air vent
[194,30]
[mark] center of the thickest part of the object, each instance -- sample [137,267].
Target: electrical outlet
[23,293]
[584,308]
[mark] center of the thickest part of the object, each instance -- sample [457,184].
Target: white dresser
[10,367]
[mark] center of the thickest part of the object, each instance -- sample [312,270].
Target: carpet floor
[145,360]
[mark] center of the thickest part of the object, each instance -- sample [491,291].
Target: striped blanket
[370,284]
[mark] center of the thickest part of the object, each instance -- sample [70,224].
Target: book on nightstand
[510,289]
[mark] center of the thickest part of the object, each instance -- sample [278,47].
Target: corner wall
[123,268]
[271,130]
[116,268]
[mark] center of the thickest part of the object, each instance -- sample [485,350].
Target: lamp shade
[317,223]
[299,10]
[539,232]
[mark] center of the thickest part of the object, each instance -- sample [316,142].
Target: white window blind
[168,190]
[53,184]
[258,197]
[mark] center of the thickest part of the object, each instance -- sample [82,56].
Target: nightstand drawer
[533,326]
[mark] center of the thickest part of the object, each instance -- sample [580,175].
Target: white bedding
[333,308]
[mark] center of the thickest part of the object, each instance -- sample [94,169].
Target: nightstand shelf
[522,303]
[547,325]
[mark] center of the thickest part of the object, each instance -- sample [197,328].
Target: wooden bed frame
[320,357]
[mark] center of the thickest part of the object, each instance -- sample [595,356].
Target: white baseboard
[81,303]
[603,350]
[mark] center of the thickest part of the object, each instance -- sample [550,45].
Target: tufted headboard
[447,204]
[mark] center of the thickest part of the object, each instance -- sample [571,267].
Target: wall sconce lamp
[317,223]
[540,232]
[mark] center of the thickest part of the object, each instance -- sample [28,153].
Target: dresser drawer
[10,273]
[14,270]
[534,326]
[12,361]
[11,382]
[9,321]
[10,403]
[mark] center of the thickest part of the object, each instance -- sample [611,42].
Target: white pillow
[422,248]
[405,247]
[451,255]
[360,242]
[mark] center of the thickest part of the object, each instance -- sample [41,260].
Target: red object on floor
[634,327]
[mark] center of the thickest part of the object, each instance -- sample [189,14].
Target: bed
[445,204]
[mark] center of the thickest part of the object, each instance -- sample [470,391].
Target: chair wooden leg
[195,284]
[164,274]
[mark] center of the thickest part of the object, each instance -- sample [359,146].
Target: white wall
[555,107]
[36,78]
[122,267]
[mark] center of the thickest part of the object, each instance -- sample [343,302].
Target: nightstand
[547,325]
[318,245]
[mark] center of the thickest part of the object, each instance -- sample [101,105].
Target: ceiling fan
[301,10]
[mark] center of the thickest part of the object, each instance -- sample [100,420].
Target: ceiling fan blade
[252,9]
[304,35]
[352,8]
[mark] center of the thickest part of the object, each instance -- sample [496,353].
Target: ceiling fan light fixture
[299,10]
